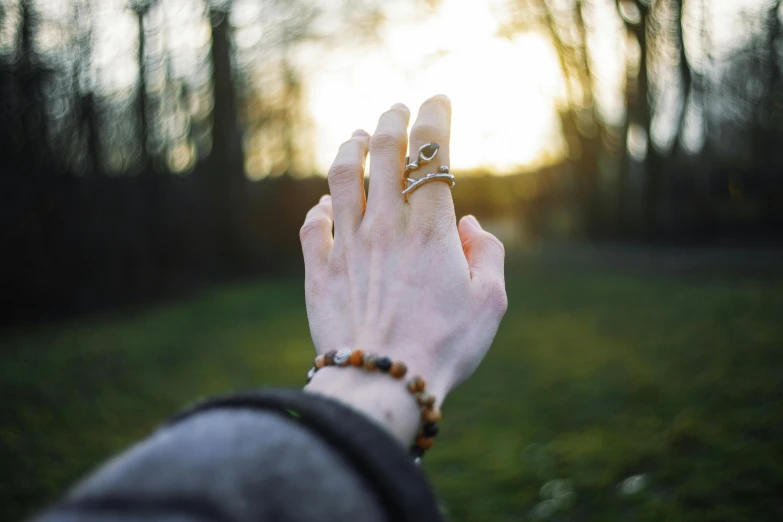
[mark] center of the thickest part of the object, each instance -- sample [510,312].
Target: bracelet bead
[425,399]
[416,385]
[369,362]
[383,364]
[320,361]
[341,357]
[398,370]
[430,415]
[357,357]
[423,442]
[329,357]
[429,430]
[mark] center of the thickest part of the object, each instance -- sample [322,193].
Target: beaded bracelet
[430,414]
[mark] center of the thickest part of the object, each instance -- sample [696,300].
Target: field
[608,394]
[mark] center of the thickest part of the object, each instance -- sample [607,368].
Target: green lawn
[595,377]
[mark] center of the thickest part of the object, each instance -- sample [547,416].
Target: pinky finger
[316,233]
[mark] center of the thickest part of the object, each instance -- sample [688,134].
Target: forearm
[256,456]
[216,461]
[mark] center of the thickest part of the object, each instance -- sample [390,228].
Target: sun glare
[503,91]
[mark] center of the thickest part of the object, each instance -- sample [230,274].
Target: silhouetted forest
[125,181]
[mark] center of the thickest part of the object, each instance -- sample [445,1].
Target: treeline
[685,141]
[134,191]
[79,235]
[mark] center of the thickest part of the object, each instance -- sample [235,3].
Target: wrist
[383,399]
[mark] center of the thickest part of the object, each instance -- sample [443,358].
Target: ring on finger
[426,153]
[443,174]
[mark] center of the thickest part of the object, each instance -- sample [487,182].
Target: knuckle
[426,132]
[353,145]
[312,226]
[363,239]
[338,264]
[374,234]
[496,244]
[305,232]
[342,173]
[424,233]
[497,297]
[387,141]
[325,210]
[316,213]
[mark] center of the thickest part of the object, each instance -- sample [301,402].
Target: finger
[346,183]
[484,252]
[316,234]
[387,159]
[433,123]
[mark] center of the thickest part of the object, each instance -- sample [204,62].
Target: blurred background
[158,158]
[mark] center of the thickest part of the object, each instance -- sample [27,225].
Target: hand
[398,277]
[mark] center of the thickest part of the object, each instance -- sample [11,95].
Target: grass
[595,378]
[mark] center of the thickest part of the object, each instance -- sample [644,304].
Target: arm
[224,465]
[397,277]
[245,457]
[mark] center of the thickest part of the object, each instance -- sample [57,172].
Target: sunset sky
[505,89]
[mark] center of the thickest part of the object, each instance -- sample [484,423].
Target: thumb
[484,252]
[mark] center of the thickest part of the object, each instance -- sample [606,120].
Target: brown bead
[369,362]
[430,415]
[329,357]
[357,358]
[416,385]
[398,370]
[425,399]
[320,361]
[423,442]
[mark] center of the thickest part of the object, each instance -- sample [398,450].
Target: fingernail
[472,220]
[360,133]
[326,198]
[399,106]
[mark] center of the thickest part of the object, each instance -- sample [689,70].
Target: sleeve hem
[401,486]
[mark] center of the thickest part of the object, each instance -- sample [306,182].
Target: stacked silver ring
[427,153]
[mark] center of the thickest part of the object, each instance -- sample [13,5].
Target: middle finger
[387,160]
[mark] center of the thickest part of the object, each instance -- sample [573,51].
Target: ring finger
[433,124]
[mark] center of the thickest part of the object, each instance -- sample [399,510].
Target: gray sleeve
[233,465]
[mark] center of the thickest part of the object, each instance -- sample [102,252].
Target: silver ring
[443,174]
[427,153]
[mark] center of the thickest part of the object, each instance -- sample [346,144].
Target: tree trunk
[226,164]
